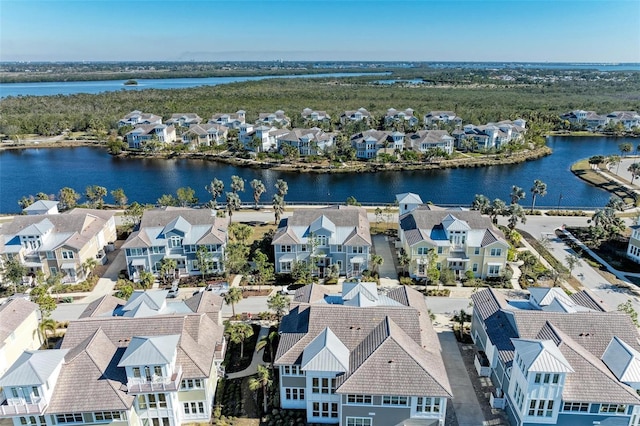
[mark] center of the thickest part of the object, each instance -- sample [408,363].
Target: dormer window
[175,241]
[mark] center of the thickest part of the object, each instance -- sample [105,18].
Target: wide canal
[29,171]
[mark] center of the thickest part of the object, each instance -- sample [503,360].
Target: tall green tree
[95,195]
[262,381]
[41,297]
[498,208]
[237,184]
[269,343]
[279,304]
[167,270]
[282,188]
[133,214]
[236,257]
[278,207]
[45,326]
[167,200]
[625,148]
[238,333]
[13,271]
[539,188]
[517,194]
[233,296]
[240,232]
[516,213]
[205,261]
[481,203]
[186,196]
[634,169]
[68,198]
[233,204]
[119,197]
[89,265]
[215,188]
[258,189]
[376,262]
[263,271]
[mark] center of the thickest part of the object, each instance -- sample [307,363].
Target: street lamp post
[559,200]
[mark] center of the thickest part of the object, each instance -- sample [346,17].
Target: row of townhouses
[594,121]
[139,362]
[333,241]
[270,133]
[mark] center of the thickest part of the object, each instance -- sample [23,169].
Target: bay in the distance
[29,171]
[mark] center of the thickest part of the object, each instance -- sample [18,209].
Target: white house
[230,120]
[370,143]
[137,118]
[209,134]
[362,358]
[312,141]
[260,138]
[394,116]
[145,133]
[183,120]
[441,117]
[431,140]
[278,118]
[407,202]
[313,115]
[353,116]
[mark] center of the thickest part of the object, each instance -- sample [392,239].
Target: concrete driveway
[387,271]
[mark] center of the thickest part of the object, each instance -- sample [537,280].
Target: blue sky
[395,30]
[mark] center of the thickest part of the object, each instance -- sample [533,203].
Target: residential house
[278,119]
[589,119]
[183,120]
[138,118]
[461,241]
[260,138]
[370,143]
[629,119]
[491,135]
[312,115]
[361,114]
[59,243]
[42,207]
[150,369]
[431,141]
[407,202]
[633,248]
[393,116]
[176,233]
[337,235]
[209,134]
[18,330]
[361,358]
[312,141]
[144,133]
[230,120]
[557,359]
[441,117]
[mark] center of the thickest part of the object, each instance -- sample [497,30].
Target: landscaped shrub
[445,292]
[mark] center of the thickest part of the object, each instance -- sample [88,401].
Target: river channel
[29,171]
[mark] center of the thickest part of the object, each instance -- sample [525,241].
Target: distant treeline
[476,96]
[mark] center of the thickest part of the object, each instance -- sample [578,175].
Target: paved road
[382,248]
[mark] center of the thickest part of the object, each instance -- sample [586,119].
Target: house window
[395,400]
[69,418]
[142,402]
[136,371]
[613,408]
[582,407]
[294,394]
[359,399]
[157,370]
[321,240]
[325,409]
[106,416]
[494,269]
[67,254]
[475,267]
[556,378]
[53,270]
[423,250]
[303,247]
[359,421]
[547,378]
[427,405]
[496,252]
[285,249]
[292,370]
[196,407]
[135,252]
[323,385]
[538,378]
[285,266]
[33,420]
[476,250]
[157,249]
[191,384]
[440,249]
[175,242]
[51,255]
[339,248]
[541,408]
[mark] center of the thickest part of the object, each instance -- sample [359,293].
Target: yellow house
[18,330]
[462,241]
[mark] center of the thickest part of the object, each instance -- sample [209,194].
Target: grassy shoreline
[583,170]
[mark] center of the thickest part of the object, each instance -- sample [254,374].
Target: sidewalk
[255,361]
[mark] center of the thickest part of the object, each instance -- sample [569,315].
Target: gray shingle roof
[13,313]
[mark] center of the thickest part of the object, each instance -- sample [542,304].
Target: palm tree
[625,148]
[237,184]
[47,325]
[89,265]
[262,381]
[215,188]
[278,207]
[282,188]
[538,188]
[517,194]
[258,190]
[376,261]
[233,296]
[481,203]
[634,169]
[614,160]
[516,212]
[498,208]
[233,203]
[404,260]
[238,333]
[268,341]
[279,304]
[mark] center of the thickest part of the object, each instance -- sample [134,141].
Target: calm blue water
[29,171]
[73,87]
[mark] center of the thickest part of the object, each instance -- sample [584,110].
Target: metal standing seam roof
[33,368]
[151,350]
[622,360]
[325,353]
[541,356]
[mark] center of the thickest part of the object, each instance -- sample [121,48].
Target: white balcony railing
[17,406]
[156,383]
